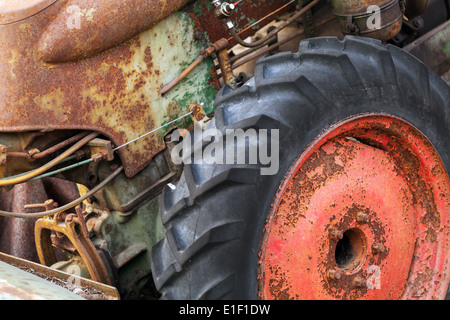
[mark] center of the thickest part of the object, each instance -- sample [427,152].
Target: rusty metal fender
[104,76]
[104,25]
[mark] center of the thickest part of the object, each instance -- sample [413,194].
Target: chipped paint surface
[83,28]
[115,92]
[16,284]
[353,213]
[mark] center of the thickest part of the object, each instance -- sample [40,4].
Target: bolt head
[378,247]
[335,234]
[359,282]
[362,217]
[333,274]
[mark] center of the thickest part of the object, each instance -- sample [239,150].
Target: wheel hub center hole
[350,250]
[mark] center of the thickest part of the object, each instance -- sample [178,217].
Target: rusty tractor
[176,149]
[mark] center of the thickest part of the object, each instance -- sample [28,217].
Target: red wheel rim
[362,214]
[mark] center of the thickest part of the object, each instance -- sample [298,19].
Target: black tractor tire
[215,214]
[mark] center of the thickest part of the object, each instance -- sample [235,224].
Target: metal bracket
[101,149]
[69,225]
[199,115]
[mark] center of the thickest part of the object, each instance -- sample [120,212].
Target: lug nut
[378,247]
[333,274]
[359,282]
[362,217]
[335,234]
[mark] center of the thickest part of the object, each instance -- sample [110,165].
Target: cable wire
[154,130]
[39,173]
[64,207]
[34,173]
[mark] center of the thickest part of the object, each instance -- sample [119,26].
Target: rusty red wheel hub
[363,214]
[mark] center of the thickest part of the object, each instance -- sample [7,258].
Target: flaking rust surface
[391,174]
[114,92]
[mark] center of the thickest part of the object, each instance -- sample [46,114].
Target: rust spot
[114,92]
[103,25]
[148,58]
[380,188]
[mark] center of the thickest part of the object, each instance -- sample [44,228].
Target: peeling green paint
[197,87]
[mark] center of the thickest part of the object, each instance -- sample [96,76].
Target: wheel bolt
[333,274]
[378,247]
[335,234]
[359,282]
[362,217]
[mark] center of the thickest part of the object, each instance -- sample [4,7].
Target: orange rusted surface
[12,10]
[363,214]
[103,24]
[104,76]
